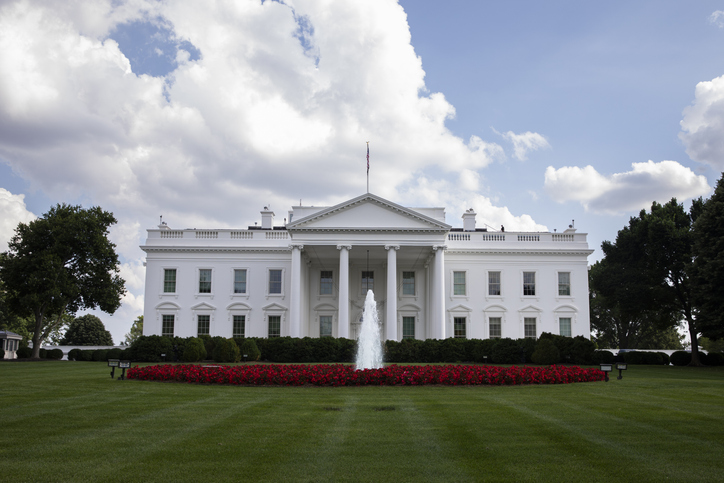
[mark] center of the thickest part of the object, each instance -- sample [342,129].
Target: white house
[310,276]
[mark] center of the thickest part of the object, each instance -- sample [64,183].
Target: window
[325,325]
[205,280]
[493,283]
[169,280]
[408,327]
[204,321]
[326,282]
[495,327]
[564,324]
[368,281]
[408,283]
[528,283]
[239,328]
[275,281]
[459,327]
[458,283]
[239,281]
[167,326]
[275,326]
[529,327]
[564,283]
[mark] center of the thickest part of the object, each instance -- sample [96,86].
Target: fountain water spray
[369,344]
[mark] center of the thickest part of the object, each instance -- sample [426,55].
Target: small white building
[10,343]
[310,276]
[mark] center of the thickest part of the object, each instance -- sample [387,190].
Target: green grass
[68,421]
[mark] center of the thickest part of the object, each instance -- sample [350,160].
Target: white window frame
[238,308]
[333,292]
[402,283]
[402,326]
[362,289]
[536,284]
[570,326]
[331,321]
[536,327]
[163,281]
[233,282]
[487,284]
[490,330]
[199,293]
[173,334]
[268,280]
[268,321]
[570,284]
[452,284]
[246,319]
[198,321]
[467,322]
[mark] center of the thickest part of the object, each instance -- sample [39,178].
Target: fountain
[369,343]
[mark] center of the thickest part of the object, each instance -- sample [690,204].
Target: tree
[136,330]
[708,267]
[644,277]
[60,263]
[87,330]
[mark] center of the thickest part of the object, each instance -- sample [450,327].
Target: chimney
[267,219]
[469,220]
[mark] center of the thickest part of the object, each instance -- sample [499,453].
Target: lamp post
[621,367]
[606,368]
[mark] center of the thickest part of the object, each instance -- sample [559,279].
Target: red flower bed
[346,375]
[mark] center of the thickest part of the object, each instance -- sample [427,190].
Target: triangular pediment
[368,213]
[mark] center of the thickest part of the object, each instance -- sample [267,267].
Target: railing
[242,235]
[276,235]
[528,238]
[459,236]
[563,238]
[172,234]
[207,234]
[493,237]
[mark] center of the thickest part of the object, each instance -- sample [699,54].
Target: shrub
[664,358]
[24,353]
[603,357]
[114,353]
[703,358]
[582,350]
[451,350]
[87,354]
[506,351]
[249,348]
[715,359]
[148,348]
[680,358]
[546,353]
[75,355]
[429,350]
[100,355]
[325,349]
[226,350]
[194,351]
[2,353]
[43,354]
[527,347]
[56,354]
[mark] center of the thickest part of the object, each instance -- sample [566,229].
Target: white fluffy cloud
[524,143]
[12,212]
[717,18]
[629,191]
[703,124]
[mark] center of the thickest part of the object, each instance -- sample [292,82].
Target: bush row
[27,352]
[683,358]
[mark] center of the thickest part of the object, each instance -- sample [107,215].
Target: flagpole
[368,166]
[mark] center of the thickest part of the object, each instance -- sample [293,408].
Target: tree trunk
[694,345]
[37,334]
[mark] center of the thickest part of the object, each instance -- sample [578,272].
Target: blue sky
[533,113]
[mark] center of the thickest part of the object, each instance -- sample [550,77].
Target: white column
[438,293]
[343,303]
[295,309]
[391,316]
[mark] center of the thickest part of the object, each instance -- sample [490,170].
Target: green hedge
[56,354]
[194,350]
[24,353]
[681,358]
[75,355]
[715,359]
[226,350]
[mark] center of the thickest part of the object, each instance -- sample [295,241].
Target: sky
[532,113]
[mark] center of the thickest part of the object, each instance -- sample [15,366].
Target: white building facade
[310,277]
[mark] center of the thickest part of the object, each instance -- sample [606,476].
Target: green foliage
[507,351]
[546,353]
[136,330]
[680,358]
[61,263]
[114,353]
[708,267]
[226,350]
[715,359]
[24,353]
[452,350]
[194,350]
[75,355]
[2,354]
[248,347]
[148,348]
[603,357]
[87,354]
[711,345]
[87,330]
[100,355]
[56,354]
[43,353]
[639,357]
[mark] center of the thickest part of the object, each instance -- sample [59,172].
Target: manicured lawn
[68,421]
